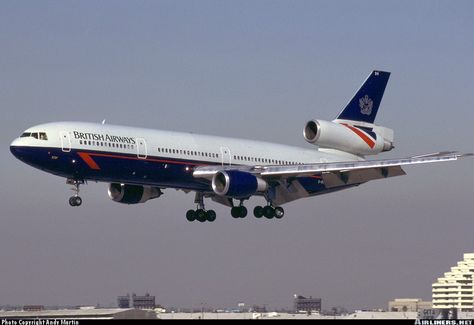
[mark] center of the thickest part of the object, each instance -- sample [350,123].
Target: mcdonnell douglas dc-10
[139,163]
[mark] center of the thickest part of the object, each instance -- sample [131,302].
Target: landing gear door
[141,148]
[226,158]
[65,141]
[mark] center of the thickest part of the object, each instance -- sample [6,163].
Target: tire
[210,215]
[268,212]
[78,201]
[279,212]
[191,215]
[72,201]
[258,211]
[243,211]
[201,215]
[235,212]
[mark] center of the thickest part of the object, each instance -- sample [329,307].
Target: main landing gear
[268,212]
[200,214]
[75,200]
[239,211]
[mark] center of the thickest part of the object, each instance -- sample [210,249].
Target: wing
[334,174]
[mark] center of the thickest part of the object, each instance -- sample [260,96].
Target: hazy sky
[251,69]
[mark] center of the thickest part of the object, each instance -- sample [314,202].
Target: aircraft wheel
[268,212]
[279,212]
[211,215]
[243,211]
[191,215]
[258,211]
[200,215]
[235,212]
[75,201]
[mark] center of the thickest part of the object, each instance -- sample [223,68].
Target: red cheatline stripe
[361,134]
[87,155]
[316,177]
[88,160]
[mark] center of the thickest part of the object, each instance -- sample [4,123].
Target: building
[143,302]
[307,304]
[123,301]
[33,308]
[408,305]
[455,289]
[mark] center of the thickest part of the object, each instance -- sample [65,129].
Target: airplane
[139,163]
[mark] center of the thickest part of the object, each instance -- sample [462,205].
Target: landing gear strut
[75,200]
[200,214]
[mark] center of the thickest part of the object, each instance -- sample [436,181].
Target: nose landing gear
[75,200]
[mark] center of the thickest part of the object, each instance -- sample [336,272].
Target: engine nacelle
[345,137]
[237,184]
[132,194]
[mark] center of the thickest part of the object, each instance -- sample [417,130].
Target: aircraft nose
[16,149]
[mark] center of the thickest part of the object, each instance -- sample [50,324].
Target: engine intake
[349,138]
[132,194]
[237,184]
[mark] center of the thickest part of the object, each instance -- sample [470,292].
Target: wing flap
[350,177]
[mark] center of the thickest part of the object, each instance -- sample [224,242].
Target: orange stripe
[88,160]
[362,135]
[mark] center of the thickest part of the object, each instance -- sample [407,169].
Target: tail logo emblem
[365,104]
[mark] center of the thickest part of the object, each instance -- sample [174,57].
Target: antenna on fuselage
[103,122]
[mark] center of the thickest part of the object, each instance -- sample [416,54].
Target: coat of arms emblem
[365,104]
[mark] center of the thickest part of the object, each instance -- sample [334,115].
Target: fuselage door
[65,141]
[141,148]
[225,155]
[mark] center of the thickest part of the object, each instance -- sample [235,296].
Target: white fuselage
[175,145]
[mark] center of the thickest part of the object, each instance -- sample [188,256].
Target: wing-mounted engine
[132,194]
[237,184]
[359,140]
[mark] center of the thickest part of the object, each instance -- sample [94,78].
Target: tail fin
[364,105]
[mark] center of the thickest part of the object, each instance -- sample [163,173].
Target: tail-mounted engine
[132,194]
[349,138]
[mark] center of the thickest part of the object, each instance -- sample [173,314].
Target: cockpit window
[36,135]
